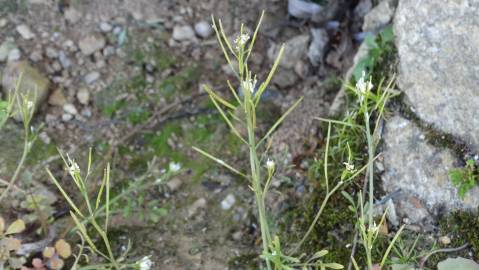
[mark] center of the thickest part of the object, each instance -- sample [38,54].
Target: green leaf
[387,34]
[334,266]
[16,227]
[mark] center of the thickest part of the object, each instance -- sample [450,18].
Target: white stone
[92,77]
[72,15]
[91,44]
[228,202]
[70,108]
[203,29]
[105,27]
[14,55]
[25,31]
[83,96]
[5,48]
[183,33]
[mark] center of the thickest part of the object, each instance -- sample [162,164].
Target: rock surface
[33,84]
[420,170]
[318,44]
[380,15]
[438,47]
[294,50]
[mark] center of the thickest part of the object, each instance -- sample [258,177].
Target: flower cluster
[145,263]
[241,40]
[249,84]
[363,86]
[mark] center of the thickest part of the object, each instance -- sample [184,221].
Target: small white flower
[241,40]
[373,228]
[145,263]
[349,166]
[174,166]
[363,86]
[270,164]
[73,167]
[250,85]
[29,104]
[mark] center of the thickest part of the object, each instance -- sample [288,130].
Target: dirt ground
[138,97]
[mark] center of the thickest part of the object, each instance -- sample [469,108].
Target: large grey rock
[438,46]
[318,44]
[420,170]
[33,84]
[380,15]
[294,50]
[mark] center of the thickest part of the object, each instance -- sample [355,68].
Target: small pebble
[203,29]
[445,240]
[14,55]
[83,96]
[200,203]
[174,184]
[228,202]
[3,22]
[25,31]
[67,117]
[183,33]
[105,27]
[70,108]
[51,53]
[91,77]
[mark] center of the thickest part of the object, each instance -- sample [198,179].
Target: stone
[5,48]
[64,60]
[105,27]
[379,16]
[444,240]
[57,98]
[72,15]
[294,50]
[228,202]
[203,29]
[183,33]
[14,55]
[174,184]
[25,31]
[91,77]
[438,47]
[33,85]
[91,44]
[420,171]
[318,44]
[66,117]
[285,78]
[198,204]
[51,53]
[83,96]
[303,9]
[70,109]
[3,22]
[36,56]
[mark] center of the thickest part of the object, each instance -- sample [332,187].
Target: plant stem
[370,173]
[256,176]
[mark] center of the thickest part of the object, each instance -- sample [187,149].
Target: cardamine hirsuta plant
[261,171]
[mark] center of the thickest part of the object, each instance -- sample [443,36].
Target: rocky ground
[125,78]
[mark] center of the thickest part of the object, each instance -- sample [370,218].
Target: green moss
[462,227]
[179,83]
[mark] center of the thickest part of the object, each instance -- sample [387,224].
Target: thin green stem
[256,176]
